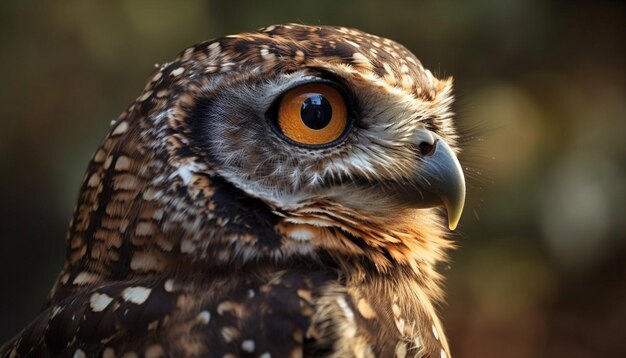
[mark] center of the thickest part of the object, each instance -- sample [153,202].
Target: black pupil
[316,112]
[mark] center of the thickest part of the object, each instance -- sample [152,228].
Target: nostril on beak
[426,148]
[425,142]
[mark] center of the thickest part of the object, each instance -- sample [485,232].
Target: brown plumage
[201,230]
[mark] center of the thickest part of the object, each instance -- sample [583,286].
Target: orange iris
[313,114]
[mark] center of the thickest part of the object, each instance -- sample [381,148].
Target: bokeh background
[541,265]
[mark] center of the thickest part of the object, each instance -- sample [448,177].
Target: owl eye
[313,114]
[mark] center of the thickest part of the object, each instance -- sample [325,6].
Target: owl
[278,193]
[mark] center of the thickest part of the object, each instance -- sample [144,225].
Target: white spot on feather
[401,350]
[85,277]
[99,301]
[185,172]
[94,180]
[248,345]
[121,128]
[400,325]
[136,295]
[169,285]
[123,163]
[177,71]
[204,317]
[361,60]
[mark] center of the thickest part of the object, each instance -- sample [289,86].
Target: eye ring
[313,115]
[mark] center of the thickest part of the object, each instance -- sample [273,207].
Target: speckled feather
[178,249]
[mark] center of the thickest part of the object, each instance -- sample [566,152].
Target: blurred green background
[541,265]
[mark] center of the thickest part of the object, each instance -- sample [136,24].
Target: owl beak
[440,174]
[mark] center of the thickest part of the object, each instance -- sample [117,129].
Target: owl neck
[402,244]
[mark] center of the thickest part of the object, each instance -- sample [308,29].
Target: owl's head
[289,140]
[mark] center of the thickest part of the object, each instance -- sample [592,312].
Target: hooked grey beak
[440,177]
